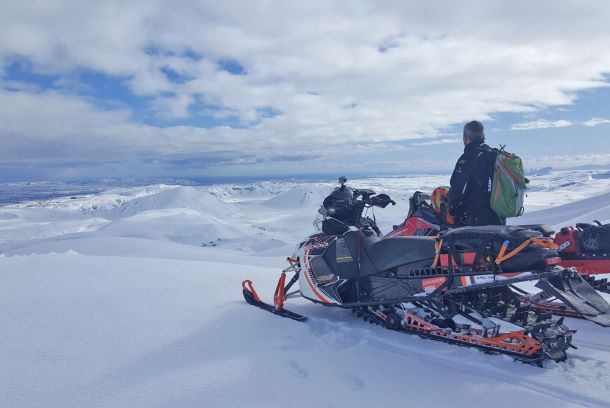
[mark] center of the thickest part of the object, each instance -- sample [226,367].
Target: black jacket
[471,184]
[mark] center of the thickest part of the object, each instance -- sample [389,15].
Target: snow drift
[177,197]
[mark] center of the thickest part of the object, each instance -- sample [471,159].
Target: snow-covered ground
[131,298]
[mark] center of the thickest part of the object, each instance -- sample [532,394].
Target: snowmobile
[585,249]
[414,284]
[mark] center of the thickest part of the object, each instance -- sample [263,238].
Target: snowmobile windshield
[420,205]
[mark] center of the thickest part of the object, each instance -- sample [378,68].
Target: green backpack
[509,184]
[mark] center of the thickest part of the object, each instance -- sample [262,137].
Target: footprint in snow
[298,370]
[293,343]
[353,382]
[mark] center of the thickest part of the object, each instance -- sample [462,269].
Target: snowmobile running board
[456,291]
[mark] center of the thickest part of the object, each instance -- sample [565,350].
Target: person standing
[471,181]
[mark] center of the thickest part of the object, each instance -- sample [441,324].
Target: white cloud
[340,73]
[438,142]
[596,122]
[544,124]
[541,124]
[567,160]
[173,107]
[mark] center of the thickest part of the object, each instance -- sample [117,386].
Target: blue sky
[258,88]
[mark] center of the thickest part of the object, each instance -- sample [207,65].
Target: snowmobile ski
[252,298]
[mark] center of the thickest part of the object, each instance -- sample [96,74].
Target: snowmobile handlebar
[583,226]
[347,204]
[382,200]
[369,198]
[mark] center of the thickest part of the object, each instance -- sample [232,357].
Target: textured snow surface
[132,298]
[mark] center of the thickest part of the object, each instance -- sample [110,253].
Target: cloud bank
[252,81]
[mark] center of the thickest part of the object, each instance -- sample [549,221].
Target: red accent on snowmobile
[567,240]
[430,284]
[588,266]
[558,310]
[412,227]
[467,259]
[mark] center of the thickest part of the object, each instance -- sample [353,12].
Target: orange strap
[502,251]
[438,244]
[544,244]
[503,256]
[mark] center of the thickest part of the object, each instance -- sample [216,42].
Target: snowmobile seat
[544,229]
[380,255]
[391,253]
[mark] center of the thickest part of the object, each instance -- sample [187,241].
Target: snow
[587,210]
[131,297]
[301,196]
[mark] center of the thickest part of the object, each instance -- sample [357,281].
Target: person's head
[473,132]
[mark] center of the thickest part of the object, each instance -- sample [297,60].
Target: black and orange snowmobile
[439,287]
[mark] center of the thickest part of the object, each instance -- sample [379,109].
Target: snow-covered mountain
[131,297]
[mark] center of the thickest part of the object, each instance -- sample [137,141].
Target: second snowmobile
[586,247]
[415,285]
